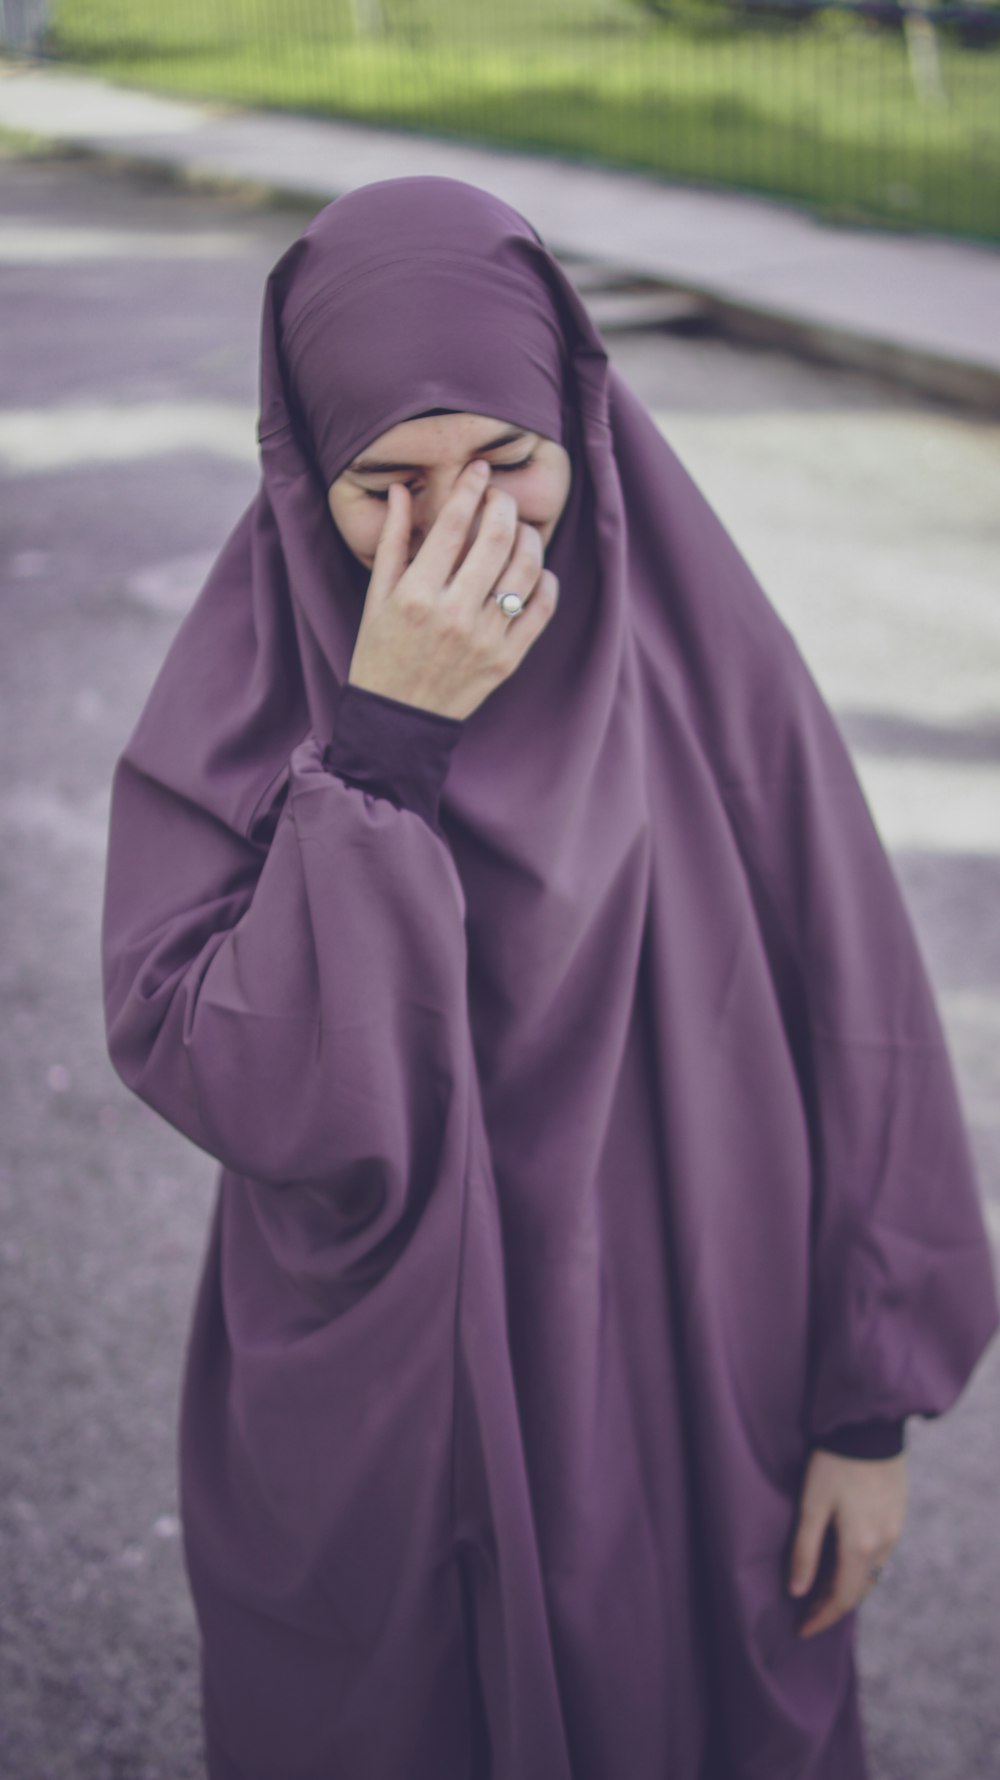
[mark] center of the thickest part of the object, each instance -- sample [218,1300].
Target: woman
[490,891]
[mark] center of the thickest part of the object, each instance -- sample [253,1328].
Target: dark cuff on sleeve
[392,749]
[866,1440]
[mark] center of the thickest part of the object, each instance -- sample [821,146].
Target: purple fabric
[590,1148]
[403,752]
[386,746]
[867,1440]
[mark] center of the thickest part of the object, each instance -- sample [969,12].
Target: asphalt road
[128,356]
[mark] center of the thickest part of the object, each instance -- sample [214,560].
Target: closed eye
[382,494]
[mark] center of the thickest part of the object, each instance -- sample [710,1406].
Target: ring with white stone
[510,603]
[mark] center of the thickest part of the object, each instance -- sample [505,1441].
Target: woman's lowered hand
[864,1502]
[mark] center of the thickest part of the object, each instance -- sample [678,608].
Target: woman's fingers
[851,1583]
[538,586]
[522,630]
[520,573]
[845,1590]
[392,548]
[865,1499]
[489,556]
[813,1520]
[441,549]
[816,1504]
[502,550]
[443,642]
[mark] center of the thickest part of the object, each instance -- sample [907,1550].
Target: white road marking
[34,441]
[29,244]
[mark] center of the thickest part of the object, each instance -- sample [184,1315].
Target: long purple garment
[590,1145]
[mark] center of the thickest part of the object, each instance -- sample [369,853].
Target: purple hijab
[590,1148]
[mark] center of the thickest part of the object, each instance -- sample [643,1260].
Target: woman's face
[429,454]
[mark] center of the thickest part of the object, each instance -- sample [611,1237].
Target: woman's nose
[426,508]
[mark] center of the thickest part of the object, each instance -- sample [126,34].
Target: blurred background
[865,109]
[785,220]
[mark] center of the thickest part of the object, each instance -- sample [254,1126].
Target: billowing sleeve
[903,1291]
[298,1010]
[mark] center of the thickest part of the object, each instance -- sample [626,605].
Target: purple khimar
[590,1148]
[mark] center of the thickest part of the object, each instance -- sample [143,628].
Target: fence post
[23,24]
[368,19]
[922,52]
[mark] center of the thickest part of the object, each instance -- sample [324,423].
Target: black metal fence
[861,110]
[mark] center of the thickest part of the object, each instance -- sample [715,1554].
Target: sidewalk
[923,310]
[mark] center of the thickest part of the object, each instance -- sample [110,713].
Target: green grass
[823,115]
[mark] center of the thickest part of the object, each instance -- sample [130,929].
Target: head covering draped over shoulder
[582,1162]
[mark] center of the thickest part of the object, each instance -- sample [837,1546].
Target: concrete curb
[928,374]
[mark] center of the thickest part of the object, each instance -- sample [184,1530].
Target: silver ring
[510,603]
[875,1573]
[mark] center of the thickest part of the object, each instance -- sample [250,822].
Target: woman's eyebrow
[371,463]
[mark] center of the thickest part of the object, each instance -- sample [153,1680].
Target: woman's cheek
[368,526]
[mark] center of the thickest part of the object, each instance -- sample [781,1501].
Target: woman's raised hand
[431,633]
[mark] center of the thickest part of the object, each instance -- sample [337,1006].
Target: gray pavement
[128,365]
[922,309]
